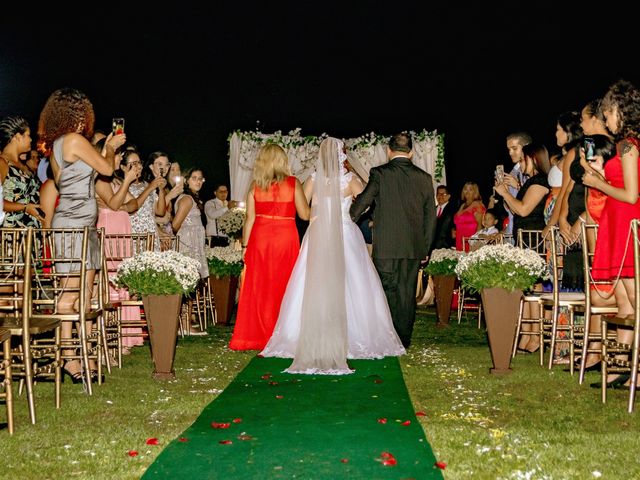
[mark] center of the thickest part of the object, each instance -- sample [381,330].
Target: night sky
[185,78]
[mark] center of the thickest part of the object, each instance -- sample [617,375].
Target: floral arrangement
[224,261]
[158,273]
[232,221]
[443,261]
[503,266]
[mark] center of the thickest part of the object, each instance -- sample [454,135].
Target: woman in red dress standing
[613,256]
[272,244]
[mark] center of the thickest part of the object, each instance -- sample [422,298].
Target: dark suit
[403,229]
[444,225]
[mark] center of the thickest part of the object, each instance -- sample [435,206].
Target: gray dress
[77,208]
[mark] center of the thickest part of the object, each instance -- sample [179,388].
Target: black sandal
[75,377]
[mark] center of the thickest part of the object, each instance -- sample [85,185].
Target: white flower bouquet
[503,266]
[159,273]
[443,261]
[232,221]
[224,261]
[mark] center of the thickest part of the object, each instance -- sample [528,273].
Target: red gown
[614,246]
[271,254]
[466,224]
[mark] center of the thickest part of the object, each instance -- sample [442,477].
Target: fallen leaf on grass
[225,442]
[382,420]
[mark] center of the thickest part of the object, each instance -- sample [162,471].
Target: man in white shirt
[214,209]
[516,178]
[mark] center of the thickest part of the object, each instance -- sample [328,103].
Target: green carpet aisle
[271,425]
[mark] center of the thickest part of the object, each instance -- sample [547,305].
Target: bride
[334,307]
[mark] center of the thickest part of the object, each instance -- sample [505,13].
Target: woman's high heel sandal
[75,377]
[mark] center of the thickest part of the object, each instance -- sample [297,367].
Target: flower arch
[364,153]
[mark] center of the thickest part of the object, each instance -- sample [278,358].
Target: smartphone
[40,212]
[589,149]
[500,173]
[117,126]
[177,179]
[241,205]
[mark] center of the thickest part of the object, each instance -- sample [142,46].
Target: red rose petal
[279,397]
[273,383]
[388,460]
[237,420]
[266,376]
[382,420]
[441,465]
[225,442]
[377,380]
[345,460]
[406,423]
[132,453]
[244,436]
[152,441]
[183,439]
[220,425]
[421,414]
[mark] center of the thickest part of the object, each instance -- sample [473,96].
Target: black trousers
[219,241]
[399,278]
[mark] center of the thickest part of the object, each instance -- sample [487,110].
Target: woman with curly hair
[618,179]
[65,126]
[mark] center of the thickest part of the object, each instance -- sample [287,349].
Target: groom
[403,228]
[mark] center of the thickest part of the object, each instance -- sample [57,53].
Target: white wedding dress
[370,331]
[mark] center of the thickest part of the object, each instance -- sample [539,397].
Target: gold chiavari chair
[613,349]
[67,252]
[573,301]
[599,300]
[5,372]
[466,300]
[534,240]
[37,355]
[119,247]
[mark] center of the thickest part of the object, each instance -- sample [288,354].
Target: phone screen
[117,126]
[500,172]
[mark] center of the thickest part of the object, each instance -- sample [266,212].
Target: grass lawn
[532,424]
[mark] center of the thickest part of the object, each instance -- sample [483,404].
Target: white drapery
[363,153]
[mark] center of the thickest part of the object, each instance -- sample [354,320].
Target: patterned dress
[20,187]
[143,220]
[191,236]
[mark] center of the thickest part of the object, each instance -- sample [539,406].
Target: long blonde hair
[272,166]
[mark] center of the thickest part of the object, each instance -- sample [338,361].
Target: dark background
[185,78]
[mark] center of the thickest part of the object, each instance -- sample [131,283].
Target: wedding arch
[364,153]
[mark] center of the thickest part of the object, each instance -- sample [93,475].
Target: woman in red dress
[613,256]
[272,244]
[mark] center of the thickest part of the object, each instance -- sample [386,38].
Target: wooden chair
[573,301]
[117,248]
[534,240]
[38,353]
[596,294]
[612,349]
[5,372]
[66,251]
[468,301]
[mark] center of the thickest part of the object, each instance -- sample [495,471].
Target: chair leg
[585,345]
[518,327]
[8,389]
[58,368]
